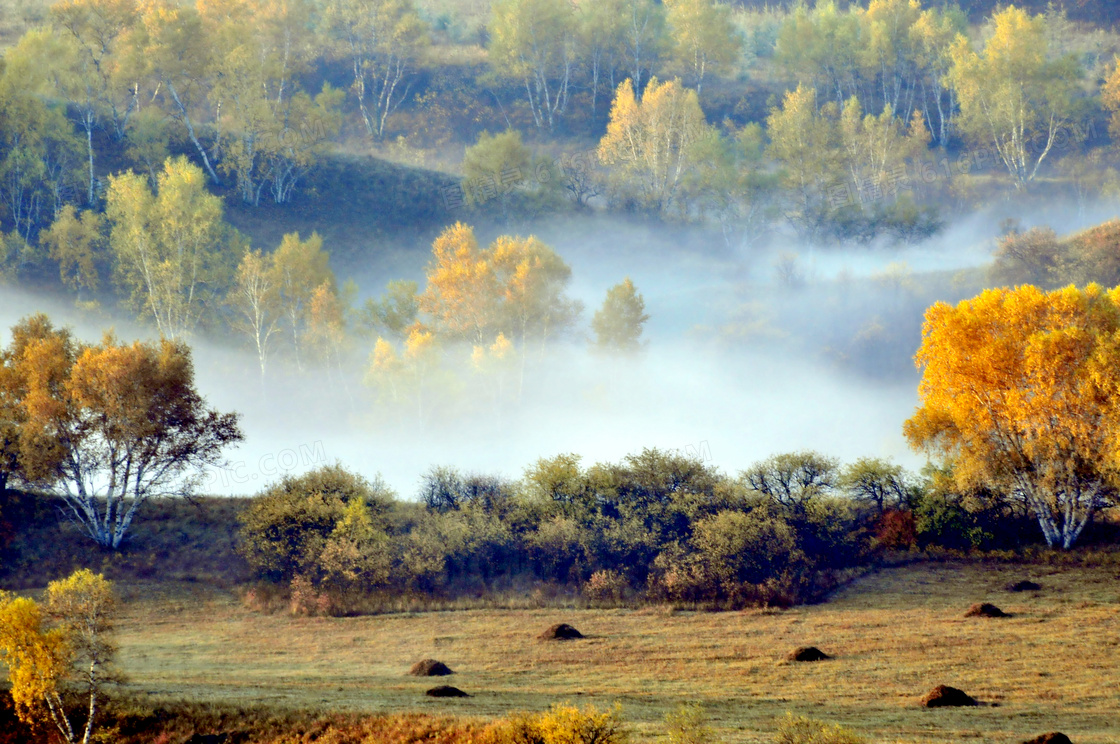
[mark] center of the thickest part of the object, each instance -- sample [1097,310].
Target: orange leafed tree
[1021,390]
[109,425]
[462,292]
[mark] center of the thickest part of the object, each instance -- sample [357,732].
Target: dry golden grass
[1052,666]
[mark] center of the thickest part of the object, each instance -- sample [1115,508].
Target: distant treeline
[828,117]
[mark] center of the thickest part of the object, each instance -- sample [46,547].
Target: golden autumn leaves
[109,424]
[1021,392]
[500,300]
[43,659]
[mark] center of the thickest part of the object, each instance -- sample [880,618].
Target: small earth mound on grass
[807,653]
[1054,737]
[985,610]
[1023,586]
[446,691]
[560,632]
[944,696]
[430,668]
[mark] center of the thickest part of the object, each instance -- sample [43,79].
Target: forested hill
[1100,12]
[354,202]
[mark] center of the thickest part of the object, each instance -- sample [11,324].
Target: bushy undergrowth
[133,722]
[658,527]
[802,730]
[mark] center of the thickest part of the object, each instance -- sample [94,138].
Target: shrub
[286,527]
[802,730]
[605,585]
[941,519]
[563,724]
[738,548]
[896,529]
[688,724]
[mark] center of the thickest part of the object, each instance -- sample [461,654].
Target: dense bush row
[657,526]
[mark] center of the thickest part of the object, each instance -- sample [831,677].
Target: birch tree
[535,41]
[383,42]
[1019,393]
[1014,97]
[45,659]
[172,249]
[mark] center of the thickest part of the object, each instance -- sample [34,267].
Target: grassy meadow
[894,634]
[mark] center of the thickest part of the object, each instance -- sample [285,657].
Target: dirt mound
[446,691]
[560,632]
[985,610]
[944,696]
[1023,586]
[1054,737]
[430,668]
[807,653]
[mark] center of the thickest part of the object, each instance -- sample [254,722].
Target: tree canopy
[1020,391]
[108,425]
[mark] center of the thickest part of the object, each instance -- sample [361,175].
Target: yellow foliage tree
[172,248]
[326,326]
[1013,94]
[493,362]
[803,143]
[299,266]
[110,425]
[411,376]
[1020,391]
[77,243]
[703,38]
[461,295]
[44,661]
[255,302]
[1110,99]
[649,142]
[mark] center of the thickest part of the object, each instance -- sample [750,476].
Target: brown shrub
[605,586]
[896,530]
[944,696]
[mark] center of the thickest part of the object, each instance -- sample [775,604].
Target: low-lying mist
[750,351]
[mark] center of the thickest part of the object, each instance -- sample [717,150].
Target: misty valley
[646,370]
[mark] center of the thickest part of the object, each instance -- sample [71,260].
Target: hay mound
[807,653]
[446,691]
[985,610]
[1054,737]
[1023,586]
[430,668]
[944,696]
[560,632]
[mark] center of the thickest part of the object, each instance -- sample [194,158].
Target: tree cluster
[657,526]
[491,311]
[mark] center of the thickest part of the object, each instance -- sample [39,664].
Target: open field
[896,634]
